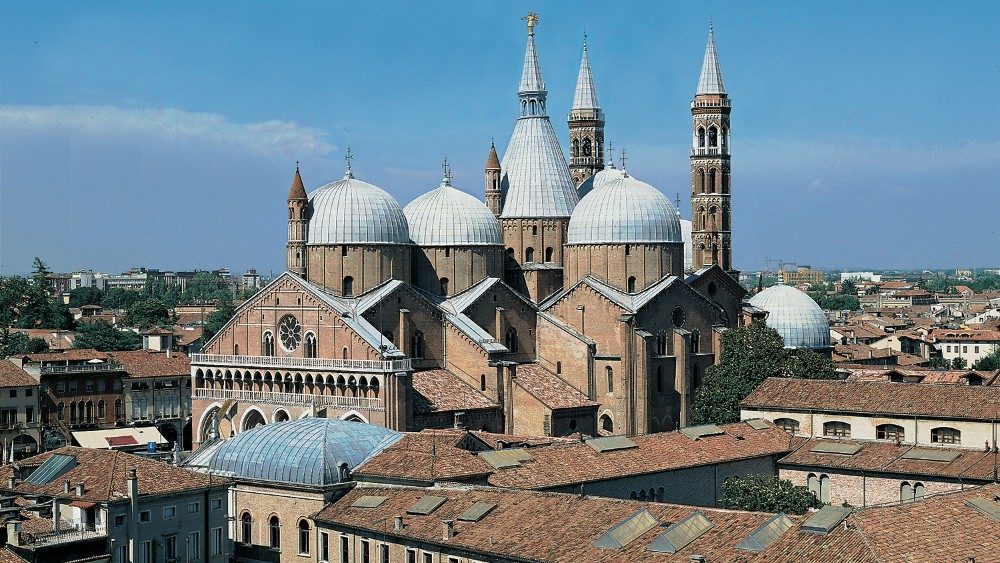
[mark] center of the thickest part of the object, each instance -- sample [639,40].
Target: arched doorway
[281,415]
[252,419]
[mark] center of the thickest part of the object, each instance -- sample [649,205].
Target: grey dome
[446,216]
[350,211]
[309,451]
[799,320]
[536,177]
[602,177]
[624,210]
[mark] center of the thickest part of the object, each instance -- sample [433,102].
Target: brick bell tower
[298,204]
[711,211]
[586,126]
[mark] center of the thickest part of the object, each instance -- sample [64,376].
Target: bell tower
[298,203]
[711,211]
[586,126]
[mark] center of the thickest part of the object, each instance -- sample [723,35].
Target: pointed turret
[492,161]
[586,94]
[531,75]
[298,190]
[494,196]
[710,81]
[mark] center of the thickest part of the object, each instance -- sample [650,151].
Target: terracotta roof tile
[970,402]
[73,355]
[147,363]
[13,376]
[549,389]
[429,456]
[297,192]
[439,390]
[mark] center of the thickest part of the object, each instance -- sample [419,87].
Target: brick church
[565,303]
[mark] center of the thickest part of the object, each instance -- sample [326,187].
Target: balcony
[81,532]
[366,366]
[81,368]
[711,103]
[291,399]
[706,151]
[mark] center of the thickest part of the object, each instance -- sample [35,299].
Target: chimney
[460,420]
[55,514]
[133,486]
[67,486]
[12,482]
[448,529]
[14,533]
[80,489]
[398,525]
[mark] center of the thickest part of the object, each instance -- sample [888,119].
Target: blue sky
[165,134]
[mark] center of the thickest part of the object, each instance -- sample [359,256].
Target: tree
[849,288]
[206,287]
[958,363]
[18,343]
[218,318]
[146,313]
[937,362]
[36,307]
[988,363]
[766,493]
[102,335]
[836,302]
[85,296]
[807,364]
[117,298]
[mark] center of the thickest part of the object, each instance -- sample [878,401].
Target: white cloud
[282,139]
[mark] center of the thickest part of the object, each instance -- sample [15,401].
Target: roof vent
[426,505]
[758,424]
[681,534]
[769,531]
[988,507]
[501,459]
[825,519]
[703,431]
[924,454]
[626,531]
[476,512]
[368,501]
[835,448]
[611,444]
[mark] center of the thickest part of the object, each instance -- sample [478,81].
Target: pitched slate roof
[974,402]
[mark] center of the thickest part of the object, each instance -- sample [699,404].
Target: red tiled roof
[428,455]
[13,376]
[147,363]
[570,464]
[73,355]
[439,390]
[548,388]
[297,192]
[105,472]
[973,402]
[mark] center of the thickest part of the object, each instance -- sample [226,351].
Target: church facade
[564,303]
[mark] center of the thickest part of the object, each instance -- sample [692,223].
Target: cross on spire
[611,155]
[349,157]
[447,172]
[623,158]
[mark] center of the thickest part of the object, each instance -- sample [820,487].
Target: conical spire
[711,73]
[492,162]
[586,94]
[531,76]
[298,190]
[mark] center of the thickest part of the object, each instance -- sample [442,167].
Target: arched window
[723,137]
[343,353]
[891,432]
[812,482]
[246,528]
[101,410]
[945,435]
[610,373]
[482,382]
[837,429]
[61,411]
[789,425]
[417,345]
[576,147]
[660,496]
[236,349]
[711,181]
[586,146]
[274,532]
[905,492]
[303,537]
[713,136]
[824,489]
[510,340]
[695,342]
[548,254]
[701,180]
[529,254]
[918,491]
[701,137]
[348,286]
[310,347]
[661,344]
[642,495]
[630,284]
[444,286]
[118,408]
[268,344]
[659,379]
[606,424]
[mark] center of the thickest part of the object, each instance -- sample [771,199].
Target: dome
[446,216]
[624,210]
[602,177]
[796,317]
[309,451]
[350,211]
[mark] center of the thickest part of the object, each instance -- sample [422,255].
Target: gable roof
[549,389]
[439,390]
[13,376]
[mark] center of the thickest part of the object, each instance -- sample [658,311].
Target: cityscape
[588,356]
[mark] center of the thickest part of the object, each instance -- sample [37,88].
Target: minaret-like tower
[494,197]
[586,126]
[711,213]
[298,203]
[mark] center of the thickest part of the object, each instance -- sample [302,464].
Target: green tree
[766,493]
[18,343]
[206,287]
[937,362]
[218,318]
[807,364]
[836,302]
[39,308]
[988,363]
[958,363]
[849,288]
[146,313]
[117,298]
[85,296]
[102,335]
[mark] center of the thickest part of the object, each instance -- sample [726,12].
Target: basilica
[572,299]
